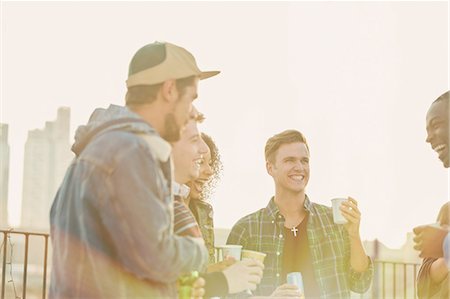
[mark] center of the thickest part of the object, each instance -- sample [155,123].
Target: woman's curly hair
[216,166]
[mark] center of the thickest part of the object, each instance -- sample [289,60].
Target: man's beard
[171,129]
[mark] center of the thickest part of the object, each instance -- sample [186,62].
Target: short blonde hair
[285,137]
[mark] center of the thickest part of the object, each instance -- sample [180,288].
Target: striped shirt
[328,242]
[183,220]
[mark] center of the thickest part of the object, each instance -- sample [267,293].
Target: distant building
[47,156]
[4,175]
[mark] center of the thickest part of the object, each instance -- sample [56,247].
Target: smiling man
[433,241]
[438,130]
[112,218]
[298,235]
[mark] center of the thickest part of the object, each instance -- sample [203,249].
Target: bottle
[296,278]
[185,283]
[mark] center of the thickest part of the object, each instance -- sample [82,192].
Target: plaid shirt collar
[273,211]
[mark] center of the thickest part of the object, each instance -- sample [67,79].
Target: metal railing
[391,279]
[7,244]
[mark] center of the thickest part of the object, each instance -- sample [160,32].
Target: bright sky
[355,78]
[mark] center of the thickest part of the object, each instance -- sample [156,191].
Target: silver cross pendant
[294,230]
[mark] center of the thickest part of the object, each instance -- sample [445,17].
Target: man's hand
[243,275]
[288,290]
[429,238]
[351,212]
[198,288]
[220,266]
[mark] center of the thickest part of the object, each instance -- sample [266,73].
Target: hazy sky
[355,78]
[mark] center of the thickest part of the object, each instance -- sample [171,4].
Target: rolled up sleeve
[360,281]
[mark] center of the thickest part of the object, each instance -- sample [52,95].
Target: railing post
[404,281]
[384,284]
[25,268]
[45,268]
[375,280]
[395,279]
[415,281]
[5,246]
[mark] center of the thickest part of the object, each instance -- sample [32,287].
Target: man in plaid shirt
[300,236]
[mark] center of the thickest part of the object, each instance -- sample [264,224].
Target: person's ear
[169,91]
[269,168]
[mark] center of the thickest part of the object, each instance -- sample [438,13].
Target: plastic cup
[338,218]
[295,278]
[251,254]
[230,250]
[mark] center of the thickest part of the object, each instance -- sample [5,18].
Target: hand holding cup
[345,211]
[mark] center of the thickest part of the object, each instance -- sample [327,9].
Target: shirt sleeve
[140,220]
[446,250]
[360,281]
[426,288]
[238,235]
[184,221]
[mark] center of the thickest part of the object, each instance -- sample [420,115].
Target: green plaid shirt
[329,244]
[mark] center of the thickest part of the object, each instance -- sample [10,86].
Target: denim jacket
[112,217]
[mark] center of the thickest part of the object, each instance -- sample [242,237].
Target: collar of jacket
[158,145]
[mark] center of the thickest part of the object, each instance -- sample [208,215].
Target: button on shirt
[329,247]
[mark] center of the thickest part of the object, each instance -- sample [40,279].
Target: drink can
[295,278]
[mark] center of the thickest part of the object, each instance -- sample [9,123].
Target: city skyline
[47,155]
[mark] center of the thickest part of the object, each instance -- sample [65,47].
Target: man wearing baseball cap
[112,218]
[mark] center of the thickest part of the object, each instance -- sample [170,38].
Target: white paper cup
[337,215]
[230,250]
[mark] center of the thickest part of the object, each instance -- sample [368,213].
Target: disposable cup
[251,254]
[338,218]
[230,250]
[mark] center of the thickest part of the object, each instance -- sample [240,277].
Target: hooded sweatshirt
[112,217]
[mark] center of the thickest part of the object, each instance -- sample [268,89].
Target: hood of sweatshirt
[112,118]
